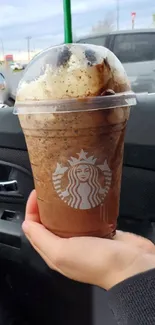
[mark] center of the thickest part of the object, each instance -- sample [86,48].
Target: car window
[101,40]
[135,47]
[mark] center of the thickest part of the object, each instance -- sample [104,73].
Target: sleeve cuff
[133,300]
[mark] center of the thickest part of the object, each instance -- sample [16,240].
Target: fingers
[46,243]
[135,240]
[32,212]
[91,260]
[32,203]
[82,259]
[86,259]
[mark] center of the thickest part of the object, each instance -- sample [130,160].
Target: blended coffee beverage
[74,117]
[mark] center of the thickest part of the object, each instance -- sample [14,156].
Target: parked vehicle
[16,66]
[136,50]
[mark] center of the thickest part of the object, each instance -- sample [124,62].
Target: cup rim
[71,105]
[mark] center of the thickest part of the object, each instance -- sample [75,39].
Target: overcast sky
[43,19]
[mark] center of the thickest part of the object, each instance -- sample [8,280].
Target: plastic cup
[73,104]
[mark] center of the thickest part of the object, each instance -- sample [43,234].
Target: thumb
[32,211]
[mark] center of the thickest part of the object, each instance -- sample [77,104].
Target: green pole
[67,21]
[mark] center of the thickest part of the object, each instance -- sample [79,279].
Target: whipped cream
[87,71]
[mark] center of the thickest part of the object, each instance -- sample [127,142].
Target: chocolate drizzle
[108,92]
[90,56]
[107,63]
[64,56]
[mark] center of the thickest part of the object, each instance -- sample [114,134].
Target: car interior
[30,292]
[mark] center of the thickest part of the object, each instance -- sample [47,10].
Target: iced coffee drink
[73,105]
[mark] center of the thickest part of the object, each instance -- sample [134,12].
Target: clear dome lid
[73,77]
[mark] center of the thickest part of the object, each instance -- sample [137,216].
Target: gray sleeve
[133,300]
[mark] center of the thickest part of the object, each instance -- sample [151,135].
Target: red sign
[9,57]
[133,15]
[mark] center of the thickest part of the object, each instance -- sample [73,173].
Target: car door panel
[137,195]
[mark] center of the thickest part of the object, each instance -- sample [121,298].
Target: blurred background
[126,27]
[27,27]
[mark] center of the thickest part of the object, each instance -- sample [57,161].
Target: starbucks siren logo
[83,189]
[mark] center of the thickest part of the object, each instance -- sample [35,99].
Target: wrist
[142,263]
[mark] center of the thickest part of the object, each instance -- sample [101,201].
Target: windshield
[126,27]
